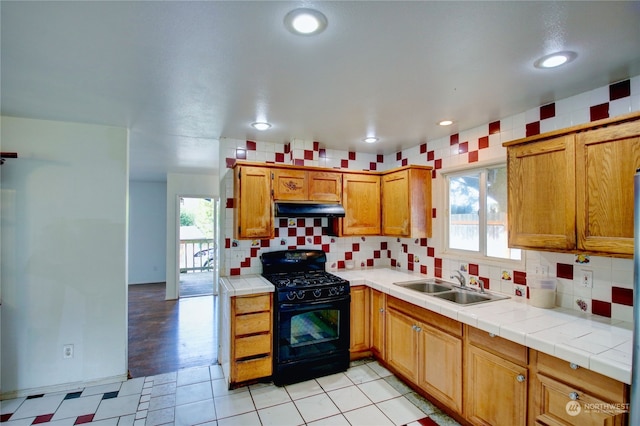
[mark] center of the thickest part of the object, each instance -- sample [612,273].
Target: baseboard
[68,387]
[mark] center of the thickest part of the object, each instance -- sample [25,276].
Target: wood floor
[168,335]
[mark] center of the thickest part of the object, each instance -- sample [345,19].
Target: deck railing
[197,255]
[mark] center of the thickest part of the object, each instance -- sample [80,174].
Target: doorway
[197,251]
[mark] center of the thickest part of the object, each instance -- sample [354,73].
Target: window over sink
[477,213]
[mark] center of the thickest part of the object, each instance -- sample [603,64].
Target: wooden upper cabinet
[406,203]
[541,192]
[572,190]
[606,162]
[325,186]
[301,185]
[290,184]
[253,215]
[361,201]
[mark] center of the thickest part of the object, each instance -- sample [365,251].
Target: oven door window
[312,330]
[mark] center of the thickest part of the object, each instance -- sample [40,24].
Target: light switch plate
[586,278]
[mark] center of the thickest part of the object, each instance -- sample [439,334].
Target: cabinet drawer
[248,304]
[252,369]
[449,325]
[252,345]
[497,345]
[565,405]
[253,323]
[583,379]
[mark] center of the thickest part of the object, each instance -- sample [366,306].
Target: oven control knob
[317,292]
[300,294]
[333,291]
[291,295]
[341,289]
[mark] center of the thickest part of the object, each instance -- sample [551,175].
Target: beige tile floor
[366,394]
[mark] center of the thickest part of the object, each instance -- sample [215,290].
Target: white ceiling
[182,75]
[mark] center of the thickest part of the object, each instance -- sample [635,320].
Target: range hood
[308,210]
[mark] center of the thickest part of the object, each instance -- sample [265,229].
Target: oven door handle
[317,302]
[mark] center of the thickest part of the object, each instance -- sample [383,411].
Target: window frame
[481,255]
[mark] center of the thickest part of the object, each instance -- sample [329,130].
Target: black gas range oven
[311,316]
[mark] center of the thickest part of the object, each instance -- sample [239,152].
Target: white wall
[185,185]
[147,232]
[64,242]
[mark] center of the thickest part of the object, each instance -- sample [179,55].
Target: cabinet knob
[381,310]
[492,335]
[520,378]
[418,329]
[413,327]
[574,366]
[573,396]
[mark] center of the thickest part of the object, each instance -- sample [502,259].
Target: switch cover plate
[586,278]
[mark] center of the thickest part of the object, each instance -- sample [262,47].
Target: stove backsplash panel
[611,294]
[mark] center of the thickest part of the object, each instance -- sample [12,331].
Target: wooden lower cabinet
[566,394]
[481,378]
[440,366]
[251,338]
[377,323]
[402,344]
[419,348]
[495,389]
[359,346]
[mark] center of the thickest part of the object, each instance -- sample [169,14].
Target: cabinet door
[359,320]
[495,390]
[378,307]
[395,204]
[402,344]
[253,206]
[406,203]
[325,186]
[361,200]
[541,194]
[289,185]
[564,405]
[440,366]
[607,160]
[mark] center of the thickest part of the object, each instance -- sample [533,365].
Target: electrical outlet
[587,278]
[542,270]
[67,351]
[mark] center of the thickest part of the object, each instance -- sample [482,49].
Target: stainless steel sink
[428,286]
[468,297]
[445,290]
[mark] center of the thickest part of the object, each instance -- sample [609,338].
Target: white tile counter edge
[597,343]
[246,285]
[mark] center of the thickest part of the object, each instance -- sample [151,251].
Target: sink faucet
[481,285]
[460,278]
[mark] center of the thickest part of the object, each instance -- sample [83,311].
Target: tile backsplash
[611,293]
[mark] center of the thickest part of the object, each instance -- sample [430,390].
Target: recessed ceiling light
[555,59]
[371,139]
[261,126]
[446,123]
[305,21]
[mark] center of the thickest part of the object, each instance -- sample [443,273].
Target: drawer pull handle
[574,366]
[492,335]
[520,378]
[573,396]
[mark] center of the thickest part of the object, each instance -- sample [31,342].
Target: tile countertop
[597,343]
[245,285]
